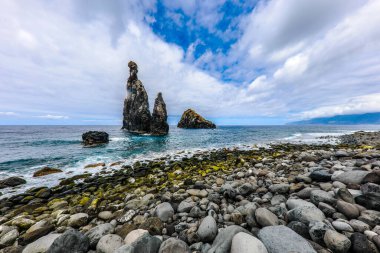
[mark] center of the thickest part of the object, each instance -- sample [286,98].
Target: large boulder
[70,241]
[137,118]
[11,182]
[93,138]
[280,239]
[191,119]
[159,124]
[42,244]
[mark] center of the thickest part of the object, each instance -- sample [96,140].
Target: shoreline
[247,190]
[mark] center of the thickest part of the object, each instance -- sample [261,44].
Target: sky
[235,62]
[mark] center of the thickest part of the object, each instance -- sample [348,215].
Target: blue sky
[236,62]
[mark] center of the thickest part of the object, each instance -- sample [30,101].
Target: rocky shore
[286,198]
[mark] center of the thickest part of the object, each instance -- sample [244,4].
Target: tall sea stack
[137,118]
[159,125]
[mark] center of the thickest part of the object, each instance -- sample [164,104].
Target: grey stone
[144,244]
[36,231]
[245,243]
[42,244]
[164,211]
[280,239]
[294,203]
[95,233]
[349,210]
[350,177]
[317,230]
[371,217]
[172,245]
[71,241]
[185,206]
[279,188]
[358,225]
[109,243]
[322,196]
[223,240]
[77,220]
[208,229]
[9,238]
[265,217]
[306,214]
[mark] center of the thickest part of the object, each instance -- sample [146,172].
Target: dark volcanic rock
[136,112]
[46,171]
[320,176]
[92,138]
[191,119]
[159,125]
[359,243]
[11,181]
[369,200]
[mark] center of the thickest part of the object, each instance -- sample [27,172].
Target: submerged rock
[93,138]
[159,125]
[191,119]
[11,182]
[46,171]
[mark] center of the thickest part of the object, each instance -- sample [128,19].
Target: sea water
[25,149]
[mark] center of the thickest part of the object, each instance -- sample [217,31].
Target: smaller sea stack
[159,125]
[191,119]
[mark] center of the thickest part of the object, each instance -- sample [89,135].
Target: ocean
[25,149]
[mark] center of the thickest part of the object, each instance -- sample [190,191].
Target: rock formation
[159,125]
[93,138]
[191,119]
[136,106]
[137,118]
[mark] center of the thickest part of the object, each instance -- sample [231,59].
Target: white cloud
[8,113]
[49,116]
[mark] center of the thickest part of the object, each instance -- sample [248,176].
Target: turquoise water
[24,149]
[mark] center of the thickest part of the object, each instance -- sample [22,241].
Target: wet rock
[36,231]
[208,229]
[46,171]
[41,245]
[11,182]
[159,125]
[77,220]
[265,217]
[109,243]
[174,245]
[164,211]
[223,240]
[280,239]
[245,243]
[95,233]
[93,138]
[369,200]
[71,241]
[191,119]
[336,241]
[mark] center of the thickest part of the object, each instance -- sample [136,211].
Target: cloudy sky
[236,62]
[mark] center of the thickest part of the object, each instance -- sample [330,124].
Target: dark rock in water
[191,119]
[369,200]
[46,171]
[320,176]
[136,112]
[70,241]
[359,243]
[11,182]
[93,138]
[159,125]
[137,118]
